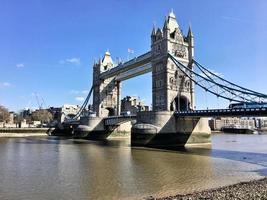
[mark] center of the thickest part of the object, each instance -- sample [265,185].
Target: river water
[53,168]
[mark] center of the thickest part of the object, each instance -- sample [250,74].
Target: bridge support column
[118,98]
[163,129]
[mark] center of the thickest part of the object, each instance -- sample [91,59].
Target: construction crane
[40,100]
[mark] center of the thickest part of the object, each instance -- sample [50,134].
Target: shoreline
[9,135]
[23,132]
[249,190]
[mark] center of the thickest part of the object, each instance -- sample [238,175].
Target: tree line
[42,115]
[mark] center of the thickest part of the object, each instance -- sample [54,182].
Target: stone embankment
[252,190]
[22,132]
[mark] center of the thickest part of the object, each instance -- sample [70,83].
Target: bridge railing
[224,112]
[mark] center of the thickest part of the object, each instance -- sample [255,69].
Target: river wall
[23,132]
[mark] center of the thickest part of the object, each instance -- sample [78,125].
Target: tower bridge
[173,119]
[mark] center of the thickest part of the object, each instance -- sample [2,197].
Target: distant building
[217,123]
[261,123]
[56,113]
[11,117]
[26,113]
[59,113]
[132,104]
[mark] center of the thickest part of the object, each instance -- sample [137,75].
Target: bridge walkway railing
[242,112]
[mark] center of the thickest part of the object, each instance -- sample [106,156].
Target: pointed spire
[107,53]
[166,24]
[190,34]
[159,31]
[99,61]
[107,59]
[171,14]
[171,22]
[95,61]
[153,30]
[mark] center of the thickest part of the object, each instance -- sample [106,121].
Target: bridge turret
[106,96]
[172,90]
[190,39]
[107,62]
[153,34]
[166,28]
[171,22]
[159,34]
[190,34]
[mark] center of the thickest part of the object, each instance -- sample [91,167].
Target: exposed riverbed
[56,168]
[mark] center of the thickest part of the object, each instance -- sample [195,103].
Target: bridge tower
[106,96]
[171,89]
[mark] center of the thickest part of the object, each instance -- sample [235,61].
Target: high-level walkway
[134,67]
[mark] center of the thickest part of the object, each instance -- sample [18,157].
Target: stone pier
[162,128]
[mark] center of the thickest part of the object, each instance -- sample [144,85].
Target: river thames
[56,168]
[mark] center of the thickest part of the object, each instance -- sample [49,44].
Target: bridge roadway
[248,112]
[242,112]
[134,67]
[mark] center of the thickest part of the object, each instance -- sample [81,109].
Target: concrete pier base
[92,128]
[163,129]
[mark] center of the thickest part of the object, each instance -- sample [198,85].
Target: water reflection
[60,168]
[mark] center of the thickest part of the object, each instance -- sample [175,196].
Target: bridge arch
[183,103]
[111,111]
[180,103]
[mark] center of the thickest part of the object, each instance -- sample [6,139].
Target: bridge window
[157,99]
[183,104]
[159,83]
[161,100]
[172,35]
[111,111]
[176,74]
[172,81]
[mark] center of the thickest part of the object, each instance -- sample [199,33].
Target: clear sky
[47,47]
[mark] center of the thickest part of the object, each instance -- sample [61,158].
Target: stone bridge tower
[106,96]
[171,89]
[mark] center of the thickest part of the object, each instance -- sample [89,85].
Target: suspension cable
[241,99]
[233,84]
[206,74]
[84,104]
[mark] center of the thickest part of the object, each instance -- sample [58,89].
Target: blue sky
[48,47]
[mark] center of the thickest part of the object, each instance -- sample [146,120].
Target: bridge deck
[244,112]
